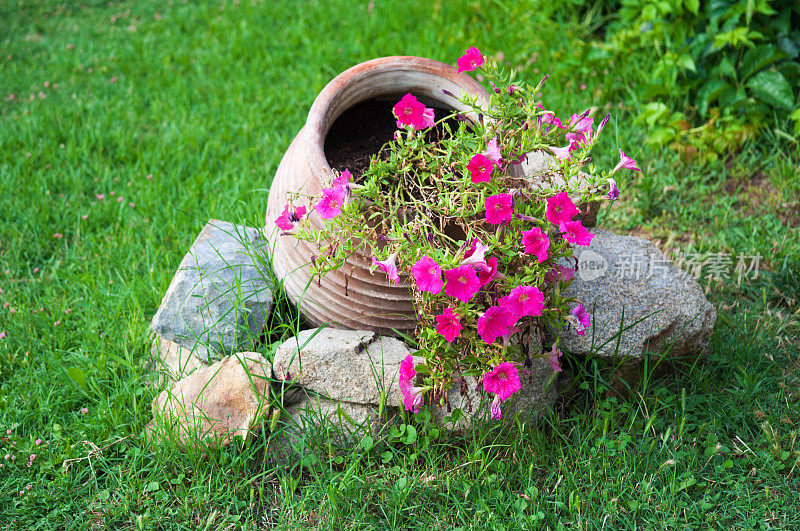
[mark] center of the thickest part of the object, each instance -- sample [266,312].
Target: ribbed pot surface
[369,302]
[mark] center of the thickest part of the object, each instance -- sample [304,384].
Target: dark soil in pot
[362,130]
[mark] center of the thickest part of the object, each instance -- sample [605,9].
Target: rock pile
[220,298]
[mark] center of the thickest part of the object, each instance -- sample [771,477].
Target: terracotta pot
[352,297]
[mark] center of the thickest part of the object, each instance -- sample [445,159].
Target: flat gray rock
[311,411]
[623,273]
[353,366]
[219,299]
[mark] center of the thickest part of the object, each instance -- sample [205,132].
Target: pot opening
[362,130]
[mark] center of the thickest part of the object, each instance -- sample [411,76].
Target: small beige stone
[173,362]
[216,402]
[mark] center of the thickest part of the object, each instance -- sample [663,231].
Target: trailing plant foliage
[726,70]
[483,248]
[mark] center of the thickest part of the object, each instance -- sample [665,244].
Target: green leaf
[692,5]
[686,62]
[709,93]
[772,88]
[795,116]
[77,376]
[422,368]
[731,96]
[367,443]
[652,113]
[411,435]
[152,486]
[661,136]
[758,58]
[726,68]
[791,71]
[686,483]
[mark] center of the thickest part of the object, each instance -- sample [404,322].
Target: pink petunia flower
[289,217]
[552,356]
[581,123]
[448,324]
[497,412]
[493,152]
[560,208]
[471,60]
[625,162]
[613,191]
[603,124]
[428,275]
[502,381]
[412,396]
[428,118]
[548,120]
[575,232]
[563,153]
[462,283]
[342,181]
[490,272]
[499,209]
[559,272]
[495,322]
[331,203]
[476,254]
[584,320]
[410,111]
[536,243]
[389,267]
[480,169]
[524,301]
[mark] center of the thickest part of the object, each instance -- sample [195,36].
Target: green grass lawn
[131,124]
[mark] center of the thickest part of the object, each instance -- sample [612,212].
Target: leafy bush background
[725,71]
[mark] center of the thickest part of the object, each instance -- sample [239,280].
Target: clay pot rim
[323,111]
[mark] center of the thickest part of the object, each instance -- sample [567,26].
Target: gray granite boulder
[619,274]
[219,299]
[217,402]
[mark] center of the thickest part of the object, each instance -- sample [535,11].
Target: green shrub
[725,70]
